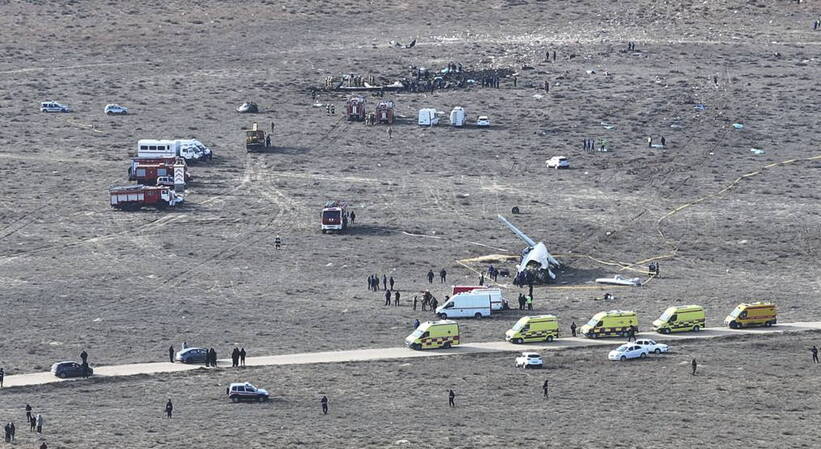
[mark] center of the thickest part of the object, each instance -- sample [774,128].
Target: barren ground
[76,274]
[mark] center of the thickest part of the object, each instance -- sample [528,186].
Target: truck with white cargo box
[428,117]
[457,116]
[168,148]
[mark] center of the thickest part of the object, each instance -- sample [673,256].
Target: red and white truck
[136,196]
[147,170]
[384,112]
[334,216]
[355,110]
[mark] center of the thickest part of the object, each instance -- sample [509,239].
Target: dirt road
[364,355]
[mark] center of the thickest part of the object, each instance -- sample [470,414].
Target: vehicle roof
[615,313]
[64,362]
[191,349]
[243,384]
[438,323]
[539,317]
[531,353]
[684,308]
[756,304]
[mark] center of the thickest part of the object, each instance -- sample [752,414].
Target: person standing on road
[443,275]
[430,277]
[451,397]
[387,297]
[814,351]
[544,389]
[324,403]
[242,355]
[694,364]
[39,420]
[396,298]
[169,409]
[171,353]
[573,329]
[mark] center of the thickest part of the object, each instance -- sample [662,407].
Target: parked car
[192,355]
[53,106]
[529,360]
[483,121]
[115,109]
[165,180]
[628,351]
[69,369]
[652,346]
[558,162]
[246,392]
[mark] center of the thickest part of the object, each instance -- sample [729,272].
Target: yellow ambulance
[680,319]
[534,328]
[434,334]
[755,314]
[615,323]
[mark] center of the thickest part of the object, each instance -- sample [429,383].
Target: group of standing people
[373,282]
[211,358]
[525,302]
[237,357]
[443,276]
[35,423]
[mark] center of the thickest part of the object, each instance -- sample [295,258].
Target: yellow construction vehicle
[255,139]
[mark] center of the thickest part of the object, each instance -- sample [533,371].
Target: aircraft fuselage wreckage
[537,264]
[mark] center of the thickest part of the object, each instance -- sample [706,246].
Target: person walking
[387,297]
[277,242]
[242,355]
[694,364]
[324,403]
[39,420]
[171,353]
[443,275]
[573,329]
[430,277]
[169,409]
[814,351]
[396,298]
[28,412]
[390,132]
[414,302]
[544,389]
[391,282]
[451,397]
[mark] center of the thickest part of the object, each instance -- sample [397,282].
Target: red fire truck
[334,216]
[146,170]
[135,196]
[384,112]
[356,109]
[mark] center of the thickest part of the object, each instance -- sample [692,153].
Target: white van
[457,117]
[167,148]
[428,117]
[468,304]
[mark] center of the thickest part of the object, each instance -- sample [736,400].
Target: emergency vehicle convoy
[434,334]
[334,216]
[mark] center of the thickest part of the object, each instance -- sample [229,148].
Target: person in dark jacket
[171,353]
[242,355]
[169,409]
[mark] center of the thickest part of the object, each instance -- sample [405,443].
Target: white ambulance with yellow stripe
[434,334]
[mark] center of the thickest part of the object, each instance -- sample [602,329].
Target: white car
[628,351]
[115,109]
[620,280]
[558,162]
[529,360]
[53,106]
[483,121]
[652,346]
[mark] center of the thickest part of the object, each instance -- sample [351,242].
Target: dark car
[70,369]
[192,355]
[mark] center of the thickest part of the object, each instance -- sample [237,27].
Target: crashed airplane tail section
[537,263]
